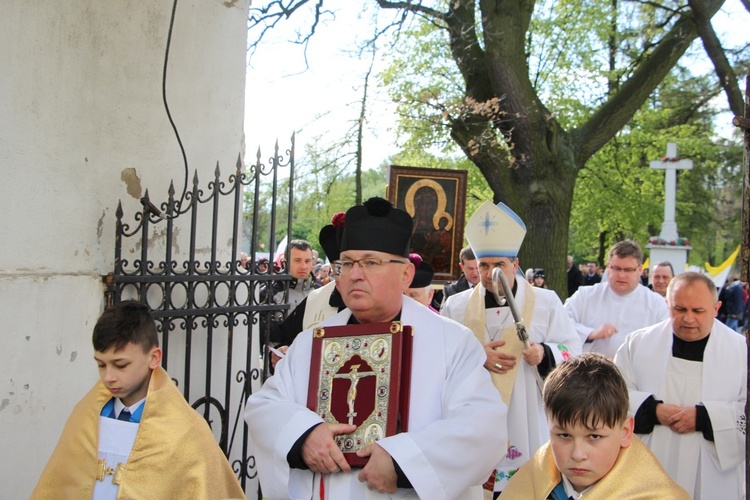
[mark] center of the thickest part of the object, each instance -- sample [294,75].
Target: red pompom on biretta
[338,219]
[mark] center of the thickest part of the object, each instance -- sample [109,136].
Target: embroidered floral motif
[505,475]
[564,351]
[513,453]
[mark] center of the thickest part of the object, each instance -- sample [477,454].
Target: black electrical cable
[166,106]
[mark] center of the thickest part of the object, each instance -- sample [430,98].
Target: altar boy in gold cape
[592,452]
[134,435]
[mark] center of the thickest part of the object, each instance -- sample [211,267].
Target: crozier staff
[495,234]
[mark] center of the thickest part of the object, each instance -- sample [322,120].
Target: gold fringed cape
[636,475]
[175,455]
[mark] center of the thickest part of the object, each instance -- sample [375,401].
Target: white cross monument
[668,246]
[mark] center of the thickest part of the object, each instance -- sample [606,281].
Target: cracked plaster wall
[84,126]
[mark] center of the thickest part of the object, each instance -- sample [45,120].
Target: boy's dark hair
[125,322]
[587,390]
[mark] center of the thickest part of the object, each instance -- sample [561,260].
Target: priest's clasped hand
[379,473]
[679,419]
[497,361]
[321,453]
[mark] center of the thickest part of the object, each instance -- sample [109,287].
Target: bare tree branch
[269,16]
[361,126]
[727,78]
[656,5]
[412,7]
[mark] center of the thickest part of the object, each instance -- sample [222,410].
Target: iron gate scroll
[207,306]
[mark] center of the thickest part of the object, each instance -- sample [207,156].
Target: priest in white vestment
[495,234]
[687,379]
[603,314]
[457,421]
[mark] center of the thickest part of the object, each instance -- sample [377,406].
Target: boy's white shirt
[116,438]
[119,406]
[570,490]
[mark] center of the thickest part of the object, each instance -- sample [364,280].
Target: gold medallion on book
[361,375]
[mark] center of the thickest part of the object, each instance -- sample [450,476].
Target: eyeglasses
[626,270]
[367,265]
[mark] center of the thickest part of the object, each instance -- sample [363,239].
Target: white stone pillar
[668,246]
[670,163]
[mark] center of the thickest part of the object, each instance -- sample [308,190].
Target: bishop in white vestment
[550,331]
[687,380]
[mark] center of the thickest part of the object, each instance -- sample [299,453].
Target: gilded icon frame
[438,234]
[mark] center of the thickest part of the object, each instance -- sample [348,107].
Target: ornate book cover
[361,374]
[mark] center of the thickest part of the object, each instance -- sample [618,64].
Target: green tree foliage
[618,196]
[324,183]
[327,184]
[543,87]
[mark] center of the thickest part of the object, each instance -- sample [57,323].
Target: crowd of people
[621,392]
[660,343]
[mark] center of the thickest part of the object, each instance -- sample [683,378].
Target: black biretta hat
[330,236]
[423,272]
[377,225]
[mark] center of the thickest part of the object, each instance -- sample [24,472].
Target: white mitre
[495,231]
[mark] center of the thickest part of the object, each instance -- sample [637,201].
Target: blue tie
[124,415]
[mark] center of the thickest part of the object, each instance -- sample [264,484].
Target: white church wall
[83,125]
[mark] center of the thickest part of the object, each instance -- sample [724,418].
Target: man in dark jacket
[575,277]
[470,276]
[593,277]
[735,303]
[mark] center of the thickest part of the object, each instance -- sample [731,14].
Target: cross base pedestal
[677,255]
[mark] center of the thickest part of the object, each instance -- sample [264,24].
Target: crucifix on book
[361,374]
[353,376]
[671,164]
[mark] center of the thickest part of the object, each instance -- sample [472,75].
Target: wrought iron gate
[207,306]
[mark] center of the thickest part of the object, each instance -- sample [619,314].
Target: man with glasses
[457,421]
[603,314]
[495,234]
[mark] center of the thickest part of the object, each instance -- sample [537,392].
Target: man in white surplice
[603,314]
[495,234]
[687,378]
[457,421]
